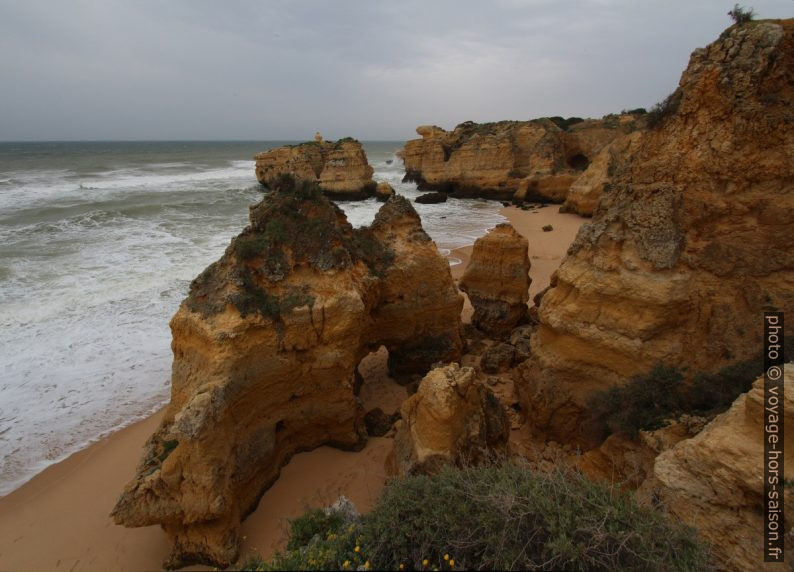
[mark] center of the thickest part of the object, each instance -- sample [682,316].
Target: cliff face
[497,280]
[526,160]
[265,352]
[693,239]
[715,481]
[341,169]
[586,190]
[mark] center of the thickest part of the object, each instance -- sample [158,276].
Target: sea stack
[340,168]
[266,348]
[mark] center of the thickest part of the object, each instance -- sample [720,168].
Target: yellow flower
[366,564]
[357,549]
[402,566]
[346,563]
[446,556]
[424,562]
[451,562]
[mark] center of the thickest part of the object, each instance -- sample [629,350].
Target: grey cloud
[282,69]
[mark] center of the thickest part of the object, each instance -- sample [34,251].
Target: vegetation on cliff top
[501,517]
[293,225]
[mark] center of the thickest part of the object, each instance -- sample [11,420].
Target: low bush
[499,517]
[741,15]
[644,403]
[647,401]
[664,109]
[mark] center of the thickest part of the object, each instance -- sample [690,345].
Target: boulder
[451,419]
[497,280]
[384,191]
[266,348]
[498,358]
[431,198]
[377,422]
[693,240]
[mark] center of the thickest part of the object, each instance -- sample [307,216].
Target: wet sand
[59,520]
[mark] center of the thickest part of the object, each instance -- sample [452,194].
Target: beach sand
[59,520]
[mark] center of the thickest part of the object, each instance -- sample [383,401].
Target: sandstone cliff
[586,190]
[714,481]
[525,160]
[265,352]
[340,168]
[450,419]
[692,241]
[497,280]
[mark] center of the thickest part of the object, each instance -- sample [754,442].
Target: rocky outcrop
[497,280]
[451,419]
[266,348]
[384,191]
[341,168]
[431,198]
[586,190]
[693,240]
[715,481]
[523,160]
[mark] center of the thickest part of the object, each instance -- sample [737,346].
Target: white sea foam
[93,266]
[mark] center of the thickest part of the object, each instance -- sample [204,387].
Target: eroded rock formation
[340,168]
[585,191]
[525,160]
[693,240]
[450,419]
[715,481]
[265,352]
[497,280]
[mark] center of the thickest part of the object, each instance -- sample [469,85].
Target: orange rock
[450,419]
[340,168]
[265,352]
[693,240]
[497,280]
[715,480]
[525,160]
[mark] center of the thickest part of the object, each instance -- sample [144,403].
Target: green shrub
[499,517]
[740,15]
[664,109]
[644,403]
[647,401]
[563,123]
[314,522]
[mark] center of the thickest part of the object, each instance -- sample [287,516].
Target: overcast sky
[278,69]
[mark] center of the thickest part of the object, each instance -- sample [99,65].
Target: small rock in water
[431,198]
[548,228]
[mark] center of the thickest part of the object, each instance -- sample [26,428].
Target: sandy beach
[59,519]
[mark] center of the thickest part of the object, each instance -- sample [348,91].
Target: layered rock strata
[693,240]
[266,348]
[340,168]
[497,280]
[534,160]
[715,481]
[451,419]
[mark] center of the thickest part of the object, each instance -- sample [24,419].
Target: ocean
[98,244]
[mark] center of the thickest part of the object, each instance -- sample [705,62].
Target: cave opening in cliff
[376,387]
[580,162]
